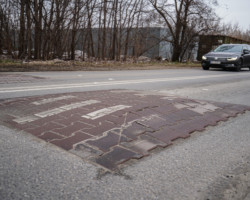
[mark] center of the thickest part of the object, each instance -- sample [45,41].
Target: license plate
[215,62]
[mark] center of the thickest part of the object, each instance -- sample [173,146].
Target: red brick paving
[49,136]
[150,122]
[117,156]
[44,128]
[67,143]
[108,141]
[167,135]
[134,130]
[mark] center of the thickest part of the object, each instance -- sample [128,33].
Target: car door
[246,56]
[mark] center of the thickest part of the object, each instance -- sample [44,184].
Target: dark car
[235,56]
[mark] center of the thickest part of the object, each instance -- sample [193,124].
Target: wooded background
[47,29]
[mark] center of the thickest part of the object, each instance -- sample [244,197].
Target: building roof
[223,35]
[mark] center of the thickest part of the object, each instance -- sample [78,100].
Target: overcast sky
[234,11]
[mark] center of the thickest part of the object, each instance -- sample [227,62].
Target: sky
[235,11]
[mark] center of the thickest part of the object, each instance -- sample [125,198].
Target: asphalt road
[213,164]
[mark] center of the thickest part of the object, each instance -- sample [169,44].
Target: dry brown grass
[59,65]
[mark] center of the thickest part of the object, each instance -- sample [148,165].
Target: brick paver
[112,127]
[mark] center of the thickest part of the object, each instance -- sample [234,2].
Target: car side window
[246,48]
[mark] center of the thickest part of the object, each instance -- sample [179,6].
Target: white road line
[98,84]
[105,111]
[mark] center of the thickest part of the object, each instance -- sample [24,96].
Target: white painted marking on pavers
[48,113]
[170,98]
[50,100]
[210,107]
[105,111]
[110,83]
[201,109]
[79,104]
[24,120]
[66,108]
[180,106]
[54,111]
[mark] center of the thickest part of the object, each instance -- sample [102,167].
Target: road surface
[212,164]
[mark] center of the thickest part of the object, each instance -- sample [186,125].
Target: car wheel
[205,67]
[238,65]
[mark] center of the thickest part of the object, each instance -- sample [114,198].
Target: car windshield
[229,48]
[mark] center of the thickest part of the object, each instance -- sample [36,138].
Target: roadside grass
[60,65]
[8,61]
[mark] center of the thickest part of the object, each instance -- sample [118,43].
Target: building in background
[151,42]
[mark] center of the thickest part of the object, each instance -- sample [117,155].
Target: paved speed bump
[112,127]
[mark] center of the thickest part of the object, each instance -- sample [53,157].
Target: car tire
[205,67]
[238,65]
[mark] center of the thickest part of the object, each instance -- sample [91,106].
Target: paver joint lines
[115,126]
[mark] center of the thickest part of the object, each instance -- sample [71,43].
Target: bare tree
[21,44]
[8,26]
[29,31]
[78,5]
[234,30]
[105,29]
[184,20]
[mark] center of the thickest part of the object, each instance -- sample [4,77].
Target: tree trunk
[73,45]
[37,31]
[21,45]
[28,36]
[104,29]
[126,45]
[176,52]
[73,32]
[114,29]
[1,36]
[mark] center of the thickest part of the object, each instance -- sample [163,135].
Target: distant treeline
[46,29]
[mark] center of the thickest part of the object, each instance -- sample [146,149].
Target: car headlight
[232,59]
[204,58]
